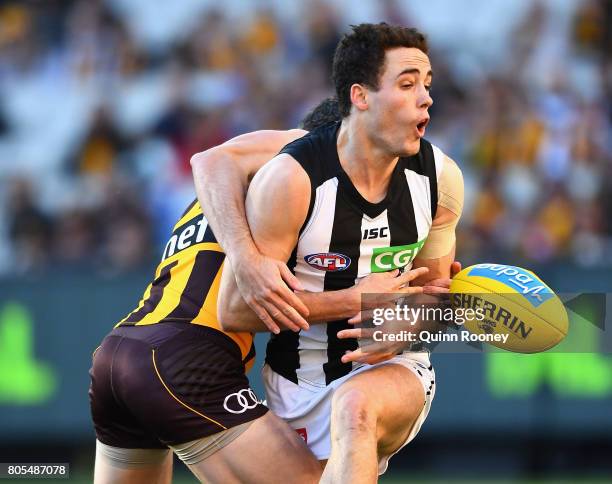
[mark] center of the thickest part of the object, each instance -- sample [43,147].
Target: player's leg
[372,416]
[200,403]
[265,450]
[132,466]
[190,392]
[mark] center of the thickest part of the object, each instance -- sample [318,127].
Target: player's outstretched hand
[442,285]
[384,288]
[390,285]
[372,352]
[267,286]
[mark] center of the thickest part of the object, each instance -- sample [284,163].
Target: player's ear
[359,97]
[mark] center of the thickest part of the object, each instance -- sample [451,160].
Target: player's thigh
[394,395]
[132,466]
[268,451]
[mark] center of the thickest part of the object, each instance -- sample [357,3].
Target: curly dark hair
[360,56]
[327,111]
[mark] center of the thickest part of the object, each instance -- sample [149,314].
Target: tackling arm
[281,187]
[222,174]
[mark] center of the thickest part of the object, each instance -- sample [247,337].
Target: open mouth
[421,126]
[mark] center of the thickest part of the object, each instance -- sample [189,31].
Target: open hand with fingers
[394,336]
[383,291]
[267,286]
[385,287]
[380,343]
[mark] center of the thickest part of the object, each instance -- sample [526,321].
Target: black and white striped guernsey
[345,238]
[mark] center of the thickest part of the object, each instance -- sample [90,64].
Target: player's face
[398,111]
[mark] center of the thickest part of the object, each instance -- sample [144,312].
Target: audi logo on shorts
[241,401]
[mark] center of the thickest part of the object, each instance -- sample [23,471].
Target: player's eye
[407,86]
[428,88]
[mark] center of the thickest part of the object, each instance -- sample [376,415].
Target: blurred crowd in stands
[102,104]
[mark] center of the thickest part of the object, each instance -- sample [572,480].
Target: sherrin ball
[510,300]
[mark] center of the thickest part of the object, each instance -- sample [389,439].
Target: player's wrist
[241,253]
[353,300]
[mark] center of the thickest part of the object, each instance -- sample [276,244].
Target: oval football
[510,300]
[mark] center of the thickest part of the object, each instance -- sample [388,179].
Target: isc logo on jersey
[375,233]
[388,258]
[328,261]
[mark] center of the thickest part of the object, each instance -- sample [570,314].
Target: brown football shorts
[167,384]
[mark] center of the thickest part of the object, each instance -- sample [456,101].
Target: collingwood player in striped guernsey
[360,197]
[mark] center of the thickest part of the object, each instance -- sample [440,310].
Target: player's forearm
[331,305]
[438,268]
[221,189]
[235,315]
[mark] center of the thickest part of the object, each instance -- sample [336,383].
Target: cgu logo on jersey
[183,237]
[328,261]
[388,258]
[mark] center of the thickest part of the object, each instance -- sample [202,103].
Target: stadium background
[102,103]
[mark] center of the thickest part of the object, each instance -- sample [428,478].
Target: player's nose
[425,100]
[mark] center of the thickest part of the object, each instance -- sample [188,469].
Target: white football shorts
[307,407]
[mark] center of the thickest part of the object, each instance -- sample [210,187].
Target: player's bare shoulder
[282,178]
[287,171]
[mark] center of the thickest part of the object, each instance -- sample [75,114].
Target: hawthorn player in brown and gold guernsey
[168,377]
[169,363]
[186,284]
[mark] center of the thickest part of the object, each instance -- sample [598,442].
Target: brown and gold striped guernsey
[186,284]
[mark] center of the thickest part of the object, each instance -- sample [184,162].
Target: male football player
[347,200]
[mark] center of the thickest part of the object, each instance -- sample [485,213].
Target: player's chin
[411,147]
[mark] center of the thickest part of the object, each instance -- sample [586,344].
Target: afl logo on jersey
[328,261]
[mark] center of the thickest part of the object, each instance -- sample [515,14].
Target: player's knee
[352,411]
